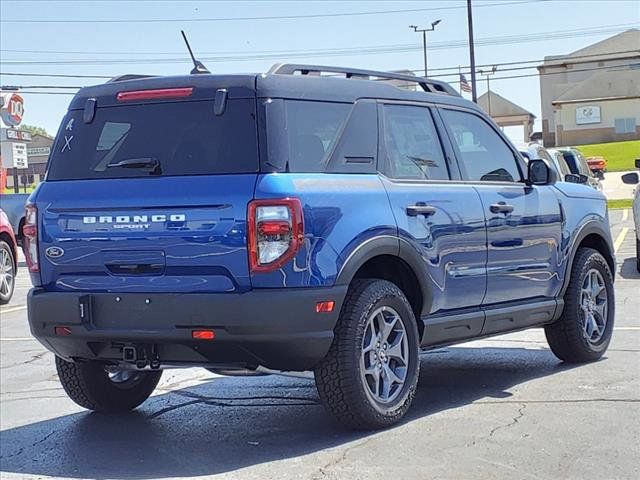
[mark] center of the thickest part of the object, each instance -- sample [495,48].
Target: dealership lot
[502,407]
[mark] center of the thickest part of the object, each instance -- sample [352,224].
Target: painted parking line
[620,239]
[625,214]
[16,339]
[17,308]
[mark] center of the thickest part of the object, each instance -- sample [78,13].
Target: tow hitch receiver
[141,355]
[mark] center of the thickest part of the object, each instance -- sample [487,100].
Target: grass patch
[620,156]
[624,203]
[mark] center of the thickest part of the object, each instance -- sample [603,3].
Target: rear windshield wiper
[151,164]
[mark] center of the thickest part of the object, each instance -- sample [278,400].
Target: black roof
[281,82]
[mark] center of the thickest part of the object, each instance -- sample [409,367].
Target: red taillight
[30,238]
[275,232]
[154,94]
[203,334]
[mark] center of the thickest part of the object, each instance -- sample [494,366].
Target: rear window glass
[313,129]
[178,138]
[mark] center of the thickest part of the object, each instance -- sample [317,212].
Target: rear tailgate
[150,196]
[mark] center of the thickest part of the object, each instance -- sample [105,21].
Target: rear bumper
[278,329]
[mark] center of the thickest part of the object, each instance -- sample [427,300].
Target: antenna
[198,67]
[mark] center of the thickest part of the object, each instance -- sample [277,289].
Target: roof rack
[128,76]
[428,85]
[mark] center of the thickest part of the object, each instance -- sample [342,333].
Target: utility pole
[472,54]
[487,74]
[424,40]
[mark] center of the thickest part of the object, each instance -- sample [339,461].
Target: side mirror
[598,174]
[540,173]
[631,178]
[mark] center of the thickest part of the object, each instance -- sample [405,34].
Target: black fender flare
[393,246]
[590,228]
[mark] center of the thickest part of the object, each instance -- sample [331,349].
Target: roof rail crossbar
[128,76]
[427,84]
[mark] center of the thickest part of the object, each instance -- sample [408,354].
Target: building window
[625,125]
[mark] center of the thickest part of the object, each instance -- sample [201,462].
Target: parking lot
[497,408]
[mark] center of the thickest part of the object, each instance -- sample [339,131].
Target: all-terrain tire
[338,377]
[88,384]
[9,283]
[566,336]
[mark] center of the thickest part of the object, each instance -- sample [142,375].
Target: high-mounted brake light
[154,94]
[30,238]
[275,232]
[203,334]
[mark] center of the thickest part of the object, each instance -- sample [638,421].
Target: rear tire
[583,332]
[368,379]
[7,273]
[91,386]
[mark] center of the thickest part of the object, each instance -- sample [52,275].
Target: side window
[483,154]
[312,128]
[412,144]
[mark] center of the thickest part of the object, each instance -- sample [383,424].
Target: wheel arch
[592,235]
[395,260]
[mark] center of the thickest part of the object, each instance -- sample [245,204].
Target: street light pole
[424,40]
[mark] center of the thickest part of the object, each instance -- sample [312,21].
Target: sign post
[13,153]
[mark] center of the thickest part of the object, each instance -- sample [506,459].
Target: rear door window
[181,138]
[412,144]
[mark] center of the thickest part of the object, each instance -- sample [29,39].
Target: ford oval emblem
[54,252]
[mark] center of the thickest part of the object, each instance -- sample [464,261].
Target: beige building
[592,95]
[506,113]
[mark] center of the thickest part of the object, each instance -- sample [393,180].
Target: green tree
[33,130]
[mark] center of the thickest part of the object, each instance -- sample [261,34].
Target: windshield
[179,138]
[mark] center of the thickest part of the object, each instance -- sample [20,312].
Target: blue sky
[136,42]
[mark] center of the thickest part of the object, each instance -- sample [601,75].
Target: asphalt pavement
[498,408]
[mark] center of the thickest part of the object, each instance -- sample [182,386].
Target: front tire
[7,273]
[583,332]
[96,387]
[368,378]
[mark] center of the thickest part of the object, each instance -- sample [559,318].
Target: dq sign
[12,109]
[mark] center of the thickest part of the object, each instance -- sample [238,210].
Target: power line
[456,68]
[276,17]
[509,40]
[361,50]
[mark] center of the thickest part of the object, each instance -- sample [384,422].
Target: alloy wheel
[384,357]
[594,306]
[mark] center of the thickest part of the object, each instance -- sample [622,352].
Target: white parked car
[634,178]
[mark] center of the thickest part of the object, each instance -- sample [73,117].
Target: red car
[597,164]
[8,259]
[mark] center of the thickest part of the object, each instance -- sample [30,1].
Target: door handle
[420,209]
[501,208]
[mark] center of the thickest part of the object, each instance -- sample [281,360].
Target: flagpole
[460,79]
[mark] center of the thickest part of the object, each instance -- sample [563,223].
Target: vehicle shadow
[628,269]
[229,423]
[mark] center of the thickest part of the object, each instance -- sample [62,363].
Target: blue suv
[311,218]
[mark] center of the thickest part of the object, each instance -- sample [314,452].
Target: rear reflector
[203,334]
[63,331]
[154,94]
[325,307]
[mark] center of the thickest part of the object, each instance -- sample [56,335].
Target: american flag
[464,85]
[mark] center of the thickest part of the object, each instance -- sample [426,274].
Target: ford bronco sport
[311,218]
